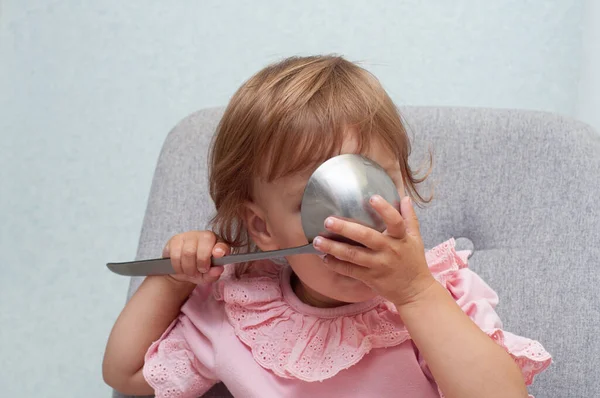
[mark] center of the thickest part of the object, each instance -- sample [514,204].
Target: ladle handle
[244,257]
[162,266]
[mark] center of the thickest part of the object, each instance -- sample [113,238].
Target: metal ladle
[340,187]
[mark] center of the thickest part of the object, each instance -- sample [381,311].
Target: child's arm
[154,306]
[464,361]
[143,320]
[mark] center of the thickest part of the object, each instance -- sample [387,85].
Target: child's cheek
[292,235]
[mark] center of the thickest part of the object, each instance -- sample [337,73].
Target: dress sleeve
[479,301]
[172,369]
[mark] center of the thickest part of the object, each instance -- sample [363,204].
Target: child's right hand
[190,254]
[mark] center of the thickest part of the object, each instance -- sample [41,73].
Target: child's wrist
[428,293]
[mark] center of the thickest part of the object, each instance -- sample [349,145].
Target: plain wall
[588,105]
[88,91]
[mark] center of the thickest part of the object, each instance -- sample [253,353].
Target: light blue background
[88,91]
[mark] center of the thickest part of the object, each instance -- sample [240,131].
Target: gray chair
[519,187]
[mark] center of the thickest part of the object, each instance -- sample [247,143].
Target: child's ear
[258,228]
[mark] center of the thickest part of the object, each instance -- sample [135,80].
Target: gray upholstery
[521,187]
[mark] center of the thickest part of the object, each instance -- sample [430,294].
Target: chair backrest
[520,187]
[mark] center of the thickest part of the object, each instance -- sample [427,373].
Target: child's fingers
[212,275]
[188,256]
[166,253]
[204,250]
[390,215]
[345,268]
[175,247]
[344,251]
[356,232]
[220,249]
[410,217]
[215,272]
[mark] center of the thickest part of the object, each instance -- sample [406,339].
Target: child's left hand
[392,263]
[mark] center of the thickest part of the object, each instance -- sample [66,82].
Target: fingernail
[219,251]
[375,198]
[318,241]
[329,223]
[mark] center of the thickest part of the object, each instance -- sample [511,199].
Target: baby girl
[385,318]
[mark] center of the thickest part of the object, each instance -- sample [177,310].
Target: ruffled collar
[296,340]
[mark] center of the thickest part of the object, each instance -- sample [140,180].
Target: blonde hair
[290,117]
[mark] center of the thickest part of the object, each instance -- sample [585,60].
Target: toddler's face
[280,202]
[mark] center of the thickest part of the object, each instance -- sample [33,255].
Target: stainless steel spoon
[340,187]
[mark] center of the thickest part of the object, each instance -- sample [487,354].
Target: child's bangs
[302,150]
[307,126]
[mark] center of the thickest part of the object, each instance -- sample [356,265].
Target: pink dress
[257,337]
